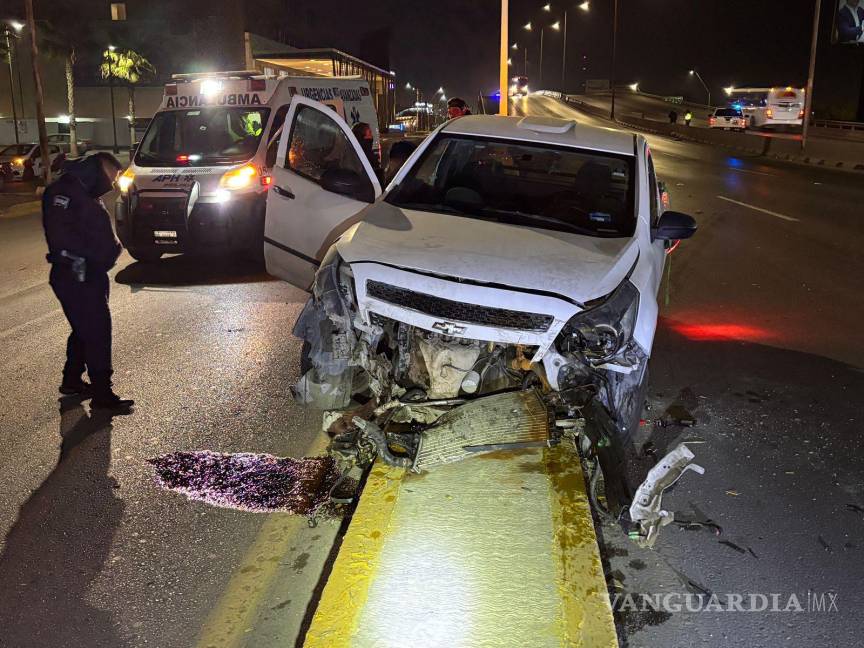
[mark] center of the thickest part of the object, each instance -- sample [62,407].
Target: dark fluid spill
[250,482]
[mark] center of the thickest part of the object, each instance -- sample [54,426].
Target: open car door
[320,180]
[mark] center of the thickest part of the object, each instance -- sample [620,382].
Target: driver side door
[320,180]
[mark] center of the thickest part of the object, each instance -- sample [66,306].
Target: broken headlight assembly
[600,332]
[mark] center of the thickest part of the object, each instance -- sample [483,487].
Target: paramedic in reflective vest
[82,249]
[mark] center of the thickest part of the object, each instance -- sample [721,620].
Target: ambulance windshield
[206,135]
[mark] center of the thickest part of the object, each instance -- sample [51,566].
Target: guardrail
[841,125]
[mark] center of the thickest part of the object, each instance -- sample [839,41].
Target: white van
[200,176]
[772,107]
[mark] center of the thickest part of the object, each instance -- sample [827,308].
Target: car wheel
[144,255]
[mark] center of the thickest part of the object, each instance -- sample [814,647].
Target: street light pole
[564,53]
[614,52]
[503,72]
[540,73]
[702,81]
[111,49]
[808,93]
[11,84]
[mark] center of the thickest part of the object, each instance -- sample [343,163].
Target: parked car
[64,140]
[728,118]
[24,161]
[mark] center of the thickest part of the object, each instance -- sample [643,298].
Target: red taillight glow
[266,180]
[711,120]
[183,158]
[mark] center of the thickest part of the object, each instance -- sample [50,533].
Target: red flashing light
[183,158]
[171,89]
[257,85]
[266,180]
[705,332]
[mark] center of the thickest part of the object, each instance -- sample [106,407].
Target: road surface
[759,339]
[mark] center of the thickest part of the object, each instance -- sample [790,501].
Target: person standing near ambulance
[82,248]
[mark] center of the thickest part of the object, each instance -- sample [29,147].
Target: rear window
[207,135]
[533,185]
[728,112]
[16,149]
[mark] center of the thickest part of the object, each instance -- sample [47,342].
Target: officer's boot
[73,385]
[104,397]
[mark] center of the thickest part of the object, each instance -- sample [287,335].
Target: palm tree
[37,83]
[68,32]
[130,67]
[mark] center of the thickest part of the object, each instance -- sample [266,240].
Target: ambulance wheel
[144,256]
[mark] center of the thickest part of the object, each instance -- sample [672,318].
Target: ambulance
[198,180]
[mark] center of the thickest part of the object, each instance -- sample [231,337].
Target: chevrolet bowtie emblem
[448,328]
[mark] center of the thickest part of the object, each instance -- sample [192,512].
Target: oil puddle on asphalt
[250,482]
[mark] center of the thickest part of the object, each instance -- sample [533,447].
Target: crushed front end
[421,369]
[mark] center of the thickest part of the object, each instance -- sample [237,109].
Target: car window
[317,145]
[523,183]
[275,134]
[16,149]
[652,192]
[728,112]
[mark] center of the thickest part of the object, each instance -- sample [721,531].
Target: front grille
[451,310]
[162,212]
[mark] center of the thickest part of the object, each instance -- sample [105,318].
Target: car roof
[544,130]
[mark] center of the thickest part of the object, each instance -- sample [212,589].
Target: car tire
[144,255]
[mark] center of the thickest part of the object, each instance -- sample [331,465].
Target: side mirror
[348,183]
[674,226]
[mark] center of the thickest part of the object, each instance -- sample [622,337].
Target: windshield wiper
[444,209]
[573,227]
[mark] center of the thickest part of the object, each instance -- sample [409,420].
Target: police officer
[81,249]
[457,107]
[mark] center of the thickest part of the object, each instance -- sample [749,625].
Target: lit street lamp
[7,30]
[634,87]
[702,81]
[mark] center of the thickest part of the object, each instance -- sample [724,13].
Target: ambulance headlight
[599,333]
[240,178]
[125,181]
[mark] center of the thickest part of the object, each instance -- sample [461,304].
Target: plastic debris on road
[249,482]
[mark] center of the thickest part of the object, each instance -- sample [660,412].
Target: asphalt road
[759,340]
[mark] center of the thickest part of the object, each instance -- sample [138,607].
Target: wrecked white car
[502,287]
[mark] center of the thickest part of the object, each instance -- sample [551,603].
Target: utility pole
[8,32]
[503,72]
[564,53]
[614,52]
[37,85]
[540,73]
[808,96]
[111,49]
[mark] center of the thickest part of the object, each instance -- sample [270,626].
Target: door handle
[282,191]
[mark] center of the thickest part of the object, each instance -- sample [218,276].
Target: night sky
[454,43]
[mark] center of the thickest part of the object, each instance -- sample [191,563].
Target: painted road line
[494,550]
[21,209]
[760,209]
[229,621]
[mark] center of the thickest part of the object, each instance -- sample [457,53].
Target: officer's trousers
[85,305]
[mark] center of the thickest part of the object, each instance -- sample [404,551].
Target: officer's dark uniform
[77,222]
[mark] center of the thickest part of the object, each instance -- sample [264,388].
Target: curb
[21,209]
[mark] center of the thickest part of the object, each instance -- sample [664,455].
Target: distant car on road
[519,87]
[24,161]
[64,140]
[728,118]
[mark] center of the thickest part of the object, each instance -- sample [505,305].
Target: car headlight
[239,178]
[601,332]
[18,161]
[125,180]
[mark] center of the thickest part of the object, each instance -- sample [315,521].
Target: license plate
[165,233]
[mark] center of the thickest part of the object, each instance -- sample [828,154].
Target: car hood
[578,267]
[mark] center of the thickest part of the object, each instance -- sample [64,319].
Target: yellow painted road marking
[347,588]
[21,209]
[492,551]
[229,620]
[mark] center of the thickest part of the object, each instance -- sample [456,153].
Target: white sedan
[506,254]
[24,161]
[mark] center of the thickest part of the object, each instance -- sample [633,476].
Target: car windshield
[560,188]
[212,135]
[16,149]
[728,112]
